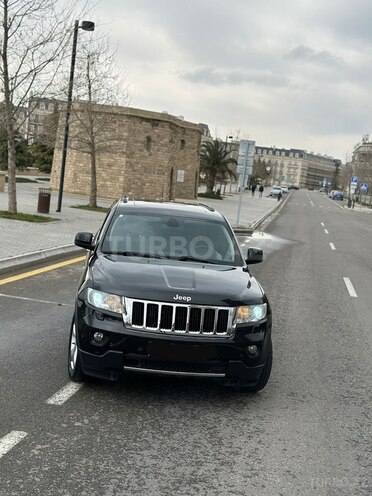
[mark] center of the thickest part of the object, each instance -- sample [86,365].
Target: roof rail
[206,206]
[126,199]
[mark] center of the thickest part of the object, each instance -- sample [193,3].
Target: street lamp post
[87,26]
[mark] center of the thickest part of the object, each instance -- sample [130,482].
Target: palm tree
[214,162]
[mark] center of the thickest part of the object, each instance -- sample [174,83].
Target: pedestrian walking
[253,189]
[261,189]
[279,195]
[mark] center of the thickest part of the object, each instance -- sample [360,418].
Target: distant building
[148,155]
[361,163]
[205,130]
[295,167]
[30,120]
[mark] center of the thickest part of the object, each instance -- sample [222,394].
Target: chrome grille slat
[179,318]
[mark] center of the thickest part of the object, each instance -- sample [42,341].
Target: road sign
[363,187]
[354,180]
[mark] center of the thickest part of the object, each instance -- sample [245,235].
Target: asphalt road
[307,433]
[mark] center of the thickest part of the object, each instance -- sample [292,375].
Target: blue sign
[363,187]
[354,180]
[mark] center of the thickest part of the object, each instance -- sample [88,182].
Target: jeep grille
[178,318]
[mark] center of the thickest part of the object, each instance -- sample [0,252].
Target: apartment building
[294,167]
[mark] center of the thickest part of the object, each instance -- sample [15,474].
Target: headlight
[105,301]
[251,313]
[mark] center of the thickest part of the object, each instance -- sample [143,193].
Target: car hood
[159,280]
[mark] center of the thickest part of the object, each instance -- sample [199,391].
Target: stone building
[142,154]
[295,167]
[31,120]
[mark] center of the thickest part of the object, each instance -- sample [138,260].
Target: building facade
[294,167]
[31,120]
[142,154]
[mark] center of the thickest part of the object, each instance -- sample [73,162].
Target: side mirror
[84,240]
[255,255]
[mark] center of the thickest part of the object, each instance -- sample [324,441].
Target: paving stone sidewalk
[26,242]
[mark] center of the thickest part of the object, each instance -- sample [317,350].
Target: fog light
[98,336]
[252,349]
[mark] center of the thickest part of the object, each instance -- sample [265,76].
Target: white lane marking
[350,287]
[10,440]
[325,230]
[64,394]
[322,224]
[310,200]
[332,246]
[37,301]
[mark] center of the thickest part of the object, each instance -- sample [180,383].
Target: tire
[265,375]
[74,367]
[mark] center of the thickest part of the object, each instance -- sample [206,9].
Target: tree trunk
[93,178]
[210,185]
[12,192]
[8,107]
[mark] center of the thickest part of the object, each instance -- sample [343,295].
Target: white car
[285,189]
[275,190]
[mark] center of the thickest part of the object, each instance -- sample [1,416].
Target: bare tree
[33,37]
[100,81]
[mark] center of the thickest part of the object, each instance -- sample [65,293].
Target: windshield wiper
[136,254]
[186,258]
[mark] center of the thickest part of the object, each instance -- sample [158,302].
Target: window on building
[42,106]
[259,151]
[296,155]
[283,154]
[51,106]
[183,144]
[148,143]
[291,154]
[270,152]
[264,152]
[277,154]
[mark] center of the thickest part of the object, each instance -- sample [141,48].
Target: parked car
[275,190]
[284,189]
[166,290]
[338,195]
[331,193]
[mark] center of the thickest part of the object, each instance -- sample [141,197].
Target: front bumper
[127,350]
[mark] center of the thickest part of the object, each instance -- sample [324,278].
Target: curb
[248,231]
[22,261]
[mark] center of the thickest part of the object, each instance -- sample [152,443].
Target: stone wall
[141,154]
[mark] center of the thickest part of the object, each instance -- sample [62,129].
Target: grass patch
[104,210]
[21,180]
[25,217]
[213,196]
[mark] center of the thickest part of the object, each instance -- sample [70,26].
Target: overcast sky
[294,73]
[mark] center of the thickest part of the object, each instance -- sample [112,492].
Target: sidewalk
[22,243]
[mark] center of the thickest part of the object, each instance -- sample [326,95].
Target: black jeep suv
[165,290]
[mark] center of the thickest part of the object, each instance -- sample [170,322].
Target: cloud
[215,77]
[306,54]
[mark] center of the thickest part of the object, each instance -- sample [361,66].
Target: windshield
[171,237]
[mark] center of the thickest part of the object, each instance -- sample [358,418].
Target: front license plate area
[178,352]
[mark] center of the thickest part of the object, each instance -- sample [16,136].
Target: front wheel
[74,367]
